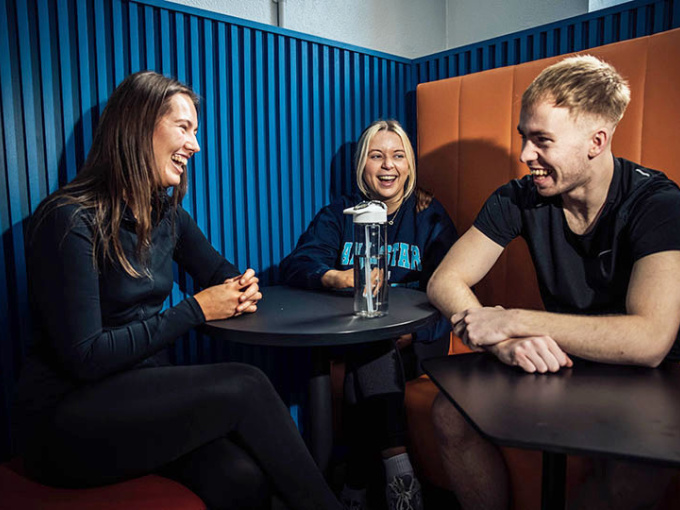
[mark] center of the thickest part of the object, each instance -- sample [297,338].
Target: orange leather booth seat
[468,146]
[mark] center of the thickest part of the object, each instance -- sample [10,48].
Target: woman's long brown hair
[120,169]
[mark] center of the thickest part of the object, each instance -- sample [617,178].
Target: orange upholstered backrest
[468,143]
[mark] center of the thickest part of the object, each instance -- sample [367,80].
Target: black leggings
[221,429]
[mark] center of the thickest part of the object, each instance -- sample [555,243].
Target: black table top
[287,316]
[590,409]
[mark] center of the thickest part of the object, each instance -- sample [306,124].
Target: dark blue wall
[280,112]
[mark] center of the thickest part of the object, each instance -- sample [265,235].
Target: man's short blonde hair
[361,155]
[584,84]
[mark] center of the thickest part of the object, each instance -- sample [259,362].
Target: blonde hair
[583,84]
[361,155]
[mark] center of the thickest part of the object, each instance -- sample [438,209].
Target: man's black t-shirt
[589,274]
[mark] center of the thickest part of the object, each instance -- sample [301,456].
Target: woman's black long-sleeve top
[94,320]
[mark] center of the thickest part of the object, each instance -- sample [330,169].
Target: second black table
[591,409]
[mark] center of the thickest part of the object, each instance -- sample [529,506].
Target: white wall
[473,21]
[406,28]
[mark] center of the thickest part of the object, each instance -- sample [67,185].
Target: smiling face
[387,169]
[556,147]
[174,139]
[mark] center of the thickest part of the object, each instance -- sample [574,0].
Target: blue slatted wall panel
[275,134]
[625,21]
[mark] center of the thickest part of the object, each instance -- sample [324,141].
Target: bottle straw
[368,289]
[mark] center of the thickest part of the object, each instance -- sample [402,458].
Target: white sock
[397,466]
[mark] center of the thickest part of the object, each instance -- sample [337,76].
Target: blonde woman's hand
[335,279]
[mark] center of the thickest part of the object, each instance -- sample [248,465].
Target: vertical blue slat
[474,60]
[392,78]
[237,102]
[659,16]
[608,34]
[373,109]
[432,69]
[101,54]
[550,43]
[166,50]
[294,170]
[150,37]
[337,121]
[180,38]
[133,24]
[386,89]
[367,93]
[213,181]
[66,89]
[487,53]
[535,42]
[564,41]
[84,73]
[356,96]
[318,169]
[349,112]
[118,42]
[625,28]
[306,174]
[197,187]
[593,33]
[29,115]
[284,77]
[263,192]
[641,25]
[401,93]
[224,146]
[273,151]
[326,156]
[442,65]
[421,70]
[45,31]
[578,36]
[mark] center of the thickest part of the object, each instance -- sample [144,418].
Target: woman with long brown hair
[98,400]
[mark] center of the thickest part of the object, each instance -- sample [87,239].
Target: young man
[604,234]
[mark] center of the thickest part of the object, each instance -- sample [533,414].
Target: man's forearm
[623,339]
[451,295]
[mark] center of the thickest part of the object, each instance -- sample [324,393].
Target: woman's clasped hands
[237,295]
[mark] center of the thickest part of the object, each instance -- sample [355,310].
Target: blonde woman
[419,233]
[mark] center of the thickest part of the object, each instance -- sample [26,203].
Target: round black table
[287,316]
[292,317]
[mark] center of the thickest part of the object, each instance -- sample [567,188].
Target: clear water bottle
[370,258]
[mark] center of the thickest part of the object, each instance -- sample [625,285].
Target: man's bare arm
[466,263]
[643,336]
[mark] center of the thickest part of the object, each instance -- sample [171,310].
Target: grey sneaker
[403,493]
